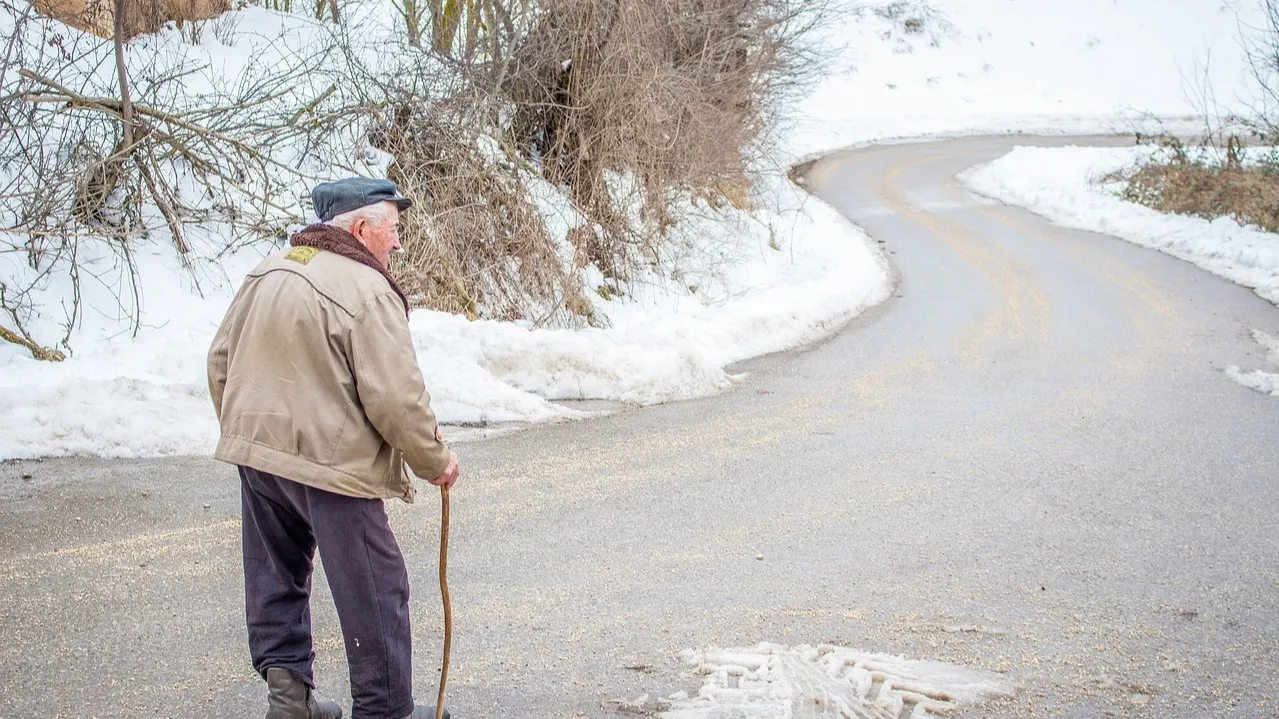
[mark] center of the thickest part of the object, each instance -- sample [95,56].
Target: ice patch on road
[1259,380]
[804,682]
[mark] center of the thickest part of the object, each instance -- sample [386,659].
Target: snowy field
[1068,186]
[743,286]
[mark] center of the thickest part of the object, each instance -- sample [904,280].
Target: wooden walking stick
[444,594]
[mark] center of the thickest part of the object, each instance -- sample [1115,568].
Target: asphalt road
[1028,461]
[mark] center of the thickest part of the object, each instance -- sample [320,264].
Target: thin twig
[166,209]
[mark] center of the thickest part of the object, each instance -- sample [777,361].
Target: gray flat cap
[331,199]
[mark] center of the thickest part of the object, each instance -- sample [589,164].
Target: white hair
[377,214]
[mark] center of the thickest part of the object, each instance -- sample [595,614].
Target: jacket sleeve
[219,353]
[390,386]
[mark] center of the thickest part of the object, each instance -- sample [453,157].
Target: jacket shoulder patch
[302,255]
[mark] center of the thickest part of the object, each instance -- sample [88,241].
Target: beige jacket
[314,378]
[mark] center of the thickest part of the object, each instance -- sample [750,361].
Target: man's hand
[449,475]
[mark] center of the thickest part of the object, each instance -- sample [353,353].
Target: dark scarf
[340,242]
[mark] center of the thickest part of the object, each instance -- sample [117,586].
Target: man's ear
[357,227]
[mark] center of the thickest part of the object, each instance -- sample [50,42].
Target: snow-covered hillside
[744,285]
[950,67]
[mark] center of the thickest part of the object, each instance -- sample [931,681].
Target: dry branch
[43,354]
[113,106]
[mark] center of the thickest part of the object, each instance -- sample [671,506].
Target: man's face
[381,240]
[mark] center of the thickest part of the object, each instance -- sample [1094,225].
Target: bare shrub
[632,108]
[1220,176]
[475,243]
[631,104]
[225,27]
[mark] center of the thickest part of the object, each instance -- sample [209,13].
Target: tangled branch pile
[88,170]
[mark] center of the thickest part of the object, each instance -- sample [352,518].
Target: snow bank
[1065,185]
[737,297]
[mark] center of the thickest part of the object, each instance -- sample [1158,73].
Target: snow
[965,67]
[666,344]
[1260,380]
[770,681]
[742,286]
[1066,186]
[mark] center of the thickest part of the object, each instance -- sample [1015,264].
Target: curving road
[1027,461]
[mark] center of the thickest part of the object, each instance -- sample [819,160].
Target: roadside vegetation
[1209,182]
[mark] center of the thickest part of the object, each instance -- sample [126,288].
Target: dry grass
[1219,179]
[141,16]
[1196,186]
[674,96]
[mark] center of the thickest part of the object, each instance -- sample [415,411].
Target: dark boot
[421,712]
[290,698]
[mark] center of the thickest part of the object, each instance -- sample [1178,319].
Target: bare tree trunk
[412,22]
[126,104]
[473,20]
[436,9]
[444,24]
[332,7]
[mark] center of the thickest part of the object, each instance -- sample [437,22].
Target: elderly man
[321,403]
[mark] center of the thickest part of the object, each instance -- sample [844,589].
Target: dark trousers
[284,523]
